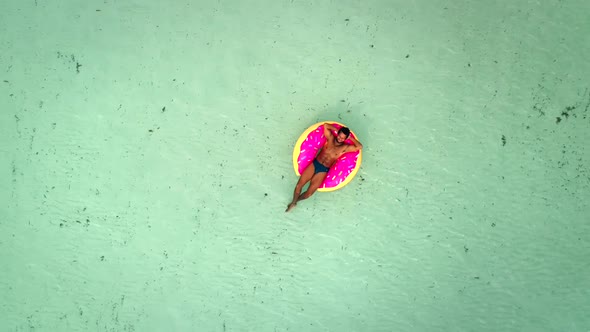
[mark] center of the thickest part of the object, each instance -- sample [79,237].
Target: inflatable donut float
[307,147]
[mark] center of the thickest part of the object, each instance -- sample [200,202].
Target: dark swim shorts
[319,167]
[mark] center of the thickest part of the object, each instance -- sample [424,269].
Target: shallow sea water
[146,158]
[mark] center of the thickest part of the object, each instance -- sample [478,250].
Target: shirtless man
[330,152]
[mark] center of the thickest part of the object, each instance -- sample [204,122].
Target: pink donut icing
[340,170]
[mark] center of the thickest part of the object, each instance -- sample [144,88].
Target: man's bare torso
[331,151]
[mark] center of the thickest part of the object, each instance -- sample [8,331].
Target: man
[330,152]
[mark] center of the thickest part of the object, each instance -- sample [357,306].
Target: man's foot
[290,206]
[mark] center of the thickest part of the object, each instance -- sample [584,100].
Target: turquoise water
[147,162]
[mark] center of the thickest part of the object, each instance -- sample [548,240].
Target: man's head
[343,134]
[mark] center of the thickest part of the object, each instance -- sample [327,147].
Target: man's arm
[328,128]
[356,145]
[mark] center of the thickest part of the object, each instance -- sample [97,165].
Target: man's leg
[303,179]
[316,181]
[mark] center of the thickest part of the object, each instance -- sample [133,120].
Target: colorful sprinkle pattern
[341,168]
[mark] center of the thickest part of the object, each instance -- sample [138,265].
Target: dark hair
[345,131]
